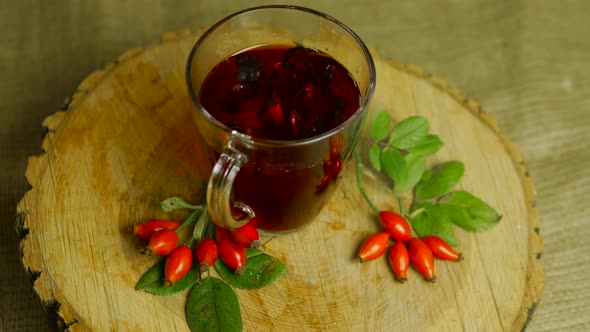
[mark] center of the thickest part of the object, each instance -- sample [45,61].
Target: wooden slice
[127,141]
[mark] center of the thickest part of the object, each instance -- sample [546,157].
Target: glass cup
[280,185]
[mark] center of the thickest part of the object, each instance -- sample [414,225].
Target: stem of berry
[190,219]
[416,213]
[190,241]
[402,211]
[409,216]
[359,168]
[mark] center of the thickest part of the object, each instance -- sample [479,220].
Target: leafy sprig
[212,304]
[400,152]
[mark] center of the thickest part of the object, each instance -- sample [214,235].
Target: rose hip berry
[421,258]
[178,264]
[146,230]
[246,236]
[399,260]
[222,234]
[206,254]
[374,246]
[162,242]
[231,254]
[440,249]
[396,225]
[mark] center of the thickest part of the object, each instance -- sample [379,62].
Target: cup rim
[283,143]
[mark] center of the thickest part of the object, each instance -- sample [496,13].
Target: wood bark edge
[57,305]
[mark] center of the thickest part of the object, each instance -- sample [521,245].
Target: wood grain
[126,140]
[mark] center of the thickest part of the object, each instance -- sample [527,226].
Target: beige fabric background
[527,62]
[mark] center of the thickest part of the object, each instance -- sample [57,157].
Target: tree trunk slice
[126,140]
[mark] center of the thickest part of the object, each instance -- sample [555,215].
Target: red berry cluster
[232,245]
[406,250]
[162,240]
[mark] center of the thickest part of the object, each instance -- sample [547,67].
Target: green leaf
[261,269]
[408,132]
[213,305]
[469,212]
[380,125]
[415,166]
[394,165]
[435,220]
[374,157]
[427,146]
[439,180]
[173,203]
[151,281]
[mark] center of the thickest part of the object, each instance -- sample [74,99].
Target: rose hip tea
[282,93]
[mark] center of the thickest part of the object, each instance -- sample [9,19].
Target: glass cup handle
[222,211]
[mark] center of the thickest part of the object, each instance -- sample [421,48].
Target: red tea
[282,93]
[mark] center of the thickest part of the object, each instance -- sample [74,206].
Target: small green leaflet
[212,305]
[434,220]
[394,165]
[469,212]
[427,146]
[408,132]
[439,180]
[173,203]
[261,269]
[380,126]
[375,157]
[151,281]
[405,171]
[415,168]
